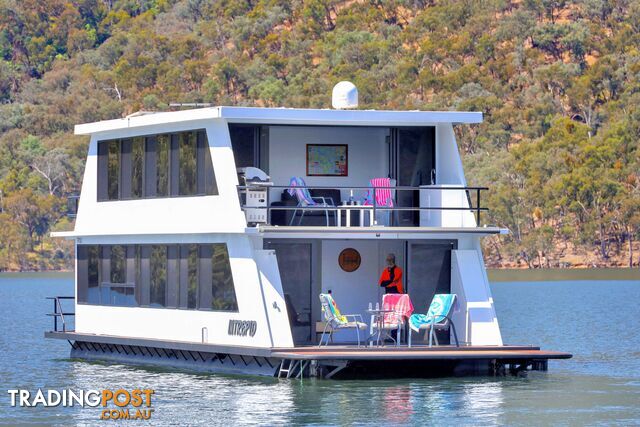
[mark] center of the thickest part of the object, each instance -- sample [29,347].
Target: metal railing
[476,207]
[58,312]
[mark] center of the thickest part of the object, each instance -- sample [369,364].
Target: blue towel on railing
[441,306]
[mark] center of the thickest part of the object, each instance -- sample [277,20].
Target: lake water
[597,321]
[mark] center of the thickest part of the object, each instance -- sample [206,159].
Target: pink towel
[400,304]
[382,195]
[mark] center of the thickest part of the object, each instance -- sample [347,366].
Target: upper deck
[178,173]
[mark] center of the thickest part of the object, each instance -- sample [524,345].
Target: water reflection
[600,386]
[398,404]
[484,401]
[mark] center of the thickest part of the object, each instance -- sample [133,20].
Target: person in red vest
[391,277]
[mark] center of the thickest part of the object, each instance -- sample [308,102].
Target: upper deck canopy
[285,116]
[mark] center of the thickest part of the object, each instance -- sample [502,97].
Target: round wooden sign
[349,260]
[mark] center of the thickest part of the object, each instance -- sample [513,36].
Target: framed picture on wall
[327,160]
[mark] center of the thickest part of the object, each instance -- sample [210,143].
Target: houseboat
[212,239]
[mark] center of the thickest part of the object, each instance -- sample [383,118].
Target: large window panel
[82,273]
[113,164]
[137,167]
[192,291]
[187,167]
[103,171]
[188,276]
[204,277]
[118,264]
[163,144]
[174,165]
[150,167]
[93,274]
[145,276]
[244,143]
[105,264]
[88,280]
[158,264]
[137,271]
[222,290]
[207,184]
[173,275]
[125,169]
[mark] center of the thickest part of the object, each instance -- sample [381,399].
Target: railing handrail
[358,187]
[59,312]
[266,186]
[379,208]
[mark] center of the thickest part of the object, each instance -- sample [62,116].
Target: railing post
[477,207]
[55,316]
[374,207]
[268,206]
[64,324]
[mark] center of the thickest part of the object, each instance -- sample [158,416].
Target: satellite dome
[345,95]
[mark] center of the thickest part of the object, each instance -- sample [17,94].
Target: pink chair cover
[383,195]
[400,304]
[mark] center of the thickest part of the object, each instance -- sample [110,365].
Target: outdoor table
[377,315]
[361,209]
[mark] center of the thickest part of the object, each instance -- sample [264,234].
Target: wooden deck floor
[417,353]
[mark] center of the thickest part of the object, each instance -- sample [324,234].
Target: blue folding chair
[437,318]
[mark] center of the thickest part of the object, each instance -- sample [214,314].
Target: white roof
[286,116]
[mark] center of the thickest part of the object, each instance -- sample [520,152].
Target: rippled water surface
[597,321]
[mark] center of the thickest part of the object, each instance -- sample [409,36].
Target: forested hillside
[558,81]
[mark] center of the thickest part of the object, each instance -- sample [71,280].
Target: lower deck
[418,352]
[339,361]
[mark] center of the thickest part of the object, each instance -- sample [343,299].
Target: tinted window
[137,161]
[118,266]
[93,276]
[93,258]
[188,153]
[138,269]
[143,275]
[223,291]
[113,164]
[158,266]
[192,290]
[243,143]
[162,164]
[103,171]
[206,177]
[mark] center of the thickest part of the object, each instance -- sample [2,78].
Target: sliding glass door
[429,273]
[295,265]
[413,163]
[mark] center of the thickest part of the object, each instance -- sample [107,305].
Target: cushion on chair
[358,325]
[311,217]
